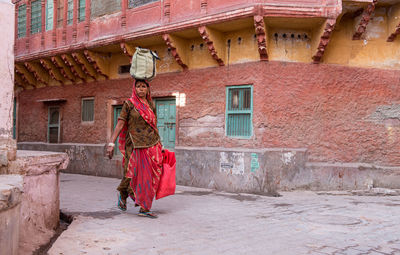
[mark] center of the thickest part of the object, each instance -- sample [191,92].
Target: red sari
[145,164]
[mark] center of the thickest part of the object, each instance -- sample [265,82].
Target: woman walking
[139,143]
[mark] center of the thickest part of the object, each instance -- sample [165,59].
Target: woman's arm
[117,130]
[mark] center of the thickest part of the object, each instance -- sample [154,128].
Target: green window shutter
[49,14]
[87,109]
[22,20]
[239,111]
[81,10]
[117,111]
[136,3]
[36,17]
[70,12]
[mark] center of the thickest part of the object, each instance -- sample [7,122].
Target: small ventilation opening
[124,69]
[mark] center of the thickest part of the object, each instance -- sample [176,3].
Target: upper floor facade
[72,41]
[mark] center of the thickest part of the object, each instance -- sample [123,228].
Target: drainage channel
[65,221]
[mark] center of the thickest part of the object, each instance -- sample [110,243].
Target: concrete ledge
[89,159]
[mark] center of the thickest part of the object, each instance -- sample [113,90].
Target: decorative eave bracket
[261,35]
[365,18]
[324,38]
[177,47]
[214,42]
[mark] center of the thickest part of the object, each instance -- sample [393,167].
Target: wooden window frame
[84,99]
[21,22]
[49,9]
[232,112]
[36,17]
[130,5]
[81,10]
[70,12]
[53,125]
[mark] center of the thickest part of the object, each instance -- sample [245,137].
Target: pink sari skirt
[144,169]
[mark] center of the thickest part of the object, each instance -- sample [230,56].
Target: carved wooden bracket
[393,36]
[325,37]
[209,36]
[261,35]
[127,49]
[365,18]
[86,67]
[75,68]
[54,73]
[21,80]
[63,68]
[97,61]
[25,75]
[173,43]
[39,74]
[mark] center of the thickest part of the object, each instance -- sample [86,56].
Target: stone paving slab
[201,221]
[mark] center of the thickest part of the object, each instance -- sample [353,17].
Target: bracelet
[111,144]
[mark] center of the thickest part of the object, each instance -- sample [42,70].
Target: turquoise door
[166,121]
[117,111]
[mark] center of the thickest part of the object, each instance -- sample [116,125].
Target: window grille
[49,14]
[239,111]
[137,3]
[22,20]
[70,16]
[36,17]
[60,13]
[81,10]
[53,132]
[87,109]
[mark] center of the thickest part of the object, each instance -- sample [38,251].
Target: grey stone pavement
[201,221]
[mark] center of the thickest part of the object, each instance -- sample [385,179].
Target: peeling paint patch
[232,163]
[287,157]
[386,114]
[254,162]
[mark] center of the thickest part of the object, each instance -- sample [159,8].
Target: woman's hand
[110,151]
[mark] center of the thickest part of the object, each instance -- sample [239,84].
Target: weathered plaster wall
[40,202]
[372,50]
[7,145]
[339,114]
[10,206]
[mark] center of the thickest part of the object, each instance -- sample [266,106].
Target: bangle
[111,144]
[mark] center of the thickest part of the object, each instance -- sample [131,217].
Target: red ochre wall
[329,110]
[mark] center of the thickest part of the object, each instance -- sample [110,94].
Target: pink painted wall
[340,114]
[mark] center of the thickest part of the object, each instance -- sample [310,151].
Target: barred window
[239,111]
[36,17]
[136,3]
[70,16]
[87,109]
[81,10]
[22,20]
[49,14]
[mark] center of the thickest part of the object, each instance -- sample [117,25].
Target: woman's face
[141,89]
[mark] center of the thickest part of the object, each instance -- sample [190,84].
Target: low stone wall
[239,170]
[89,159]
[40,203]
[10,207]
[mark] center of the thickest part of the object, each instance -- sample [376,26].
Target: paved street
[201,221]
